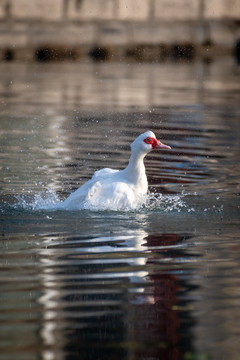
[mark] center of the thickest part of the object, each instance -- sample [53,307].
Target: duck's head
[147,142]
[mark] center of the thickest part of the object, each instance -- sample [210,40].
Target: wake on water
[48,200]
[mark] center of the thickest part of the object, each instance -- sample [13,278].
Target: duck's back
[106,172]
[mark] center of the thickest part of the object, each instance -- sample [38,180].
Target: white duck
[117,189]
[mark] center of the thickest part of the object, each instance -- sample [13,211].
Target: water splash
[49,200]
[45,200]
[164,202]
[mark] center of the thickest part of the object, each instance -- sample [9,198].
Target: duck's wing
[78,197]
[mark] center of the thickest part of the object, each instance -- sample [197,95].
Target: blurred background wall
[146,30]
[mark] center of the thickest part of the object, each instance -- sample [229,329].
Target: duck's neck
[135,171]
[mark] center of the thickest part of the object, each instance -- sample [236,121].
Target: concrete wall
[118,25]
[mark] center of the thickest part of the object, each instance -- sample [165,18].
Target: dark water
[158,283]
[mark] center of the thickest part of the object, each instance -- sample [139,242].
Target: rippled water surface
[158,283]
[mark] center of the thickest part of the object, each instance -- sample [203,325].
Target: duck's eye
[148,140]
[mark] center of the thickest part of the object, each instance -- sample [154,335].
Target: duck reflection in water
[116,297]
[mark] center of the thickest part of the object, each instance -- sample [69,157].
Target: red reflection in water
[156,320]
